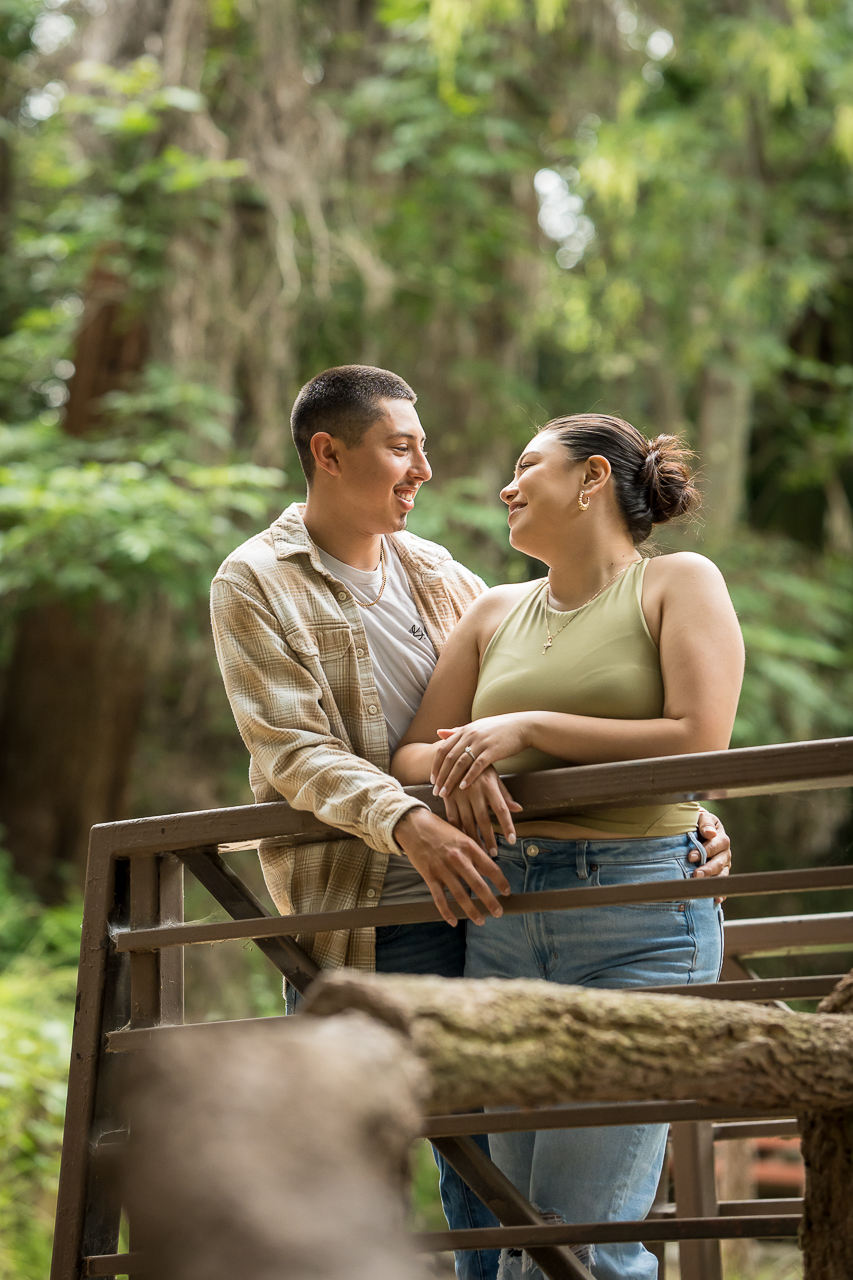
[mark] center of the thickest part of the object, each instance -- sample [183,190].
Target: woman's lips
[513,511]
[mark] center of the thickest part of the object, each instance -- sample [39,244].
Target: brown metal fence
[131,989]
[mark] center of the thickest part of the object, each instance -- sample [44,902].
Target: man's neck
[332,533]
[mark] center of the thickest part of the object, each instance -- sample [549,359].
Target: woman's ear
[597,472]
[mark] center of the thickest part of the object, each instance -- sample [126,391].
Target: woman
[610,657]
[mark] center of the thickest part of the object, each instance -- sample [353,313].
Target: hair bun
[666,476]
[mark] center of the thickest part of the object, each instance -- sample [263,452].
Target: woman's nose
[508,492]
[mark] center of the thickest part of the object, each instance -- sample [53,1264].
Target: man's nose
[420,468]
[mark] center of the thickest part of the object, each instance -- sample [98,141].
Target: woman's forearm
[412,764]
[593,740]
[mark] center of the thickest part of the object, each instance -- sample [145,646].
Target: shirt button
[373,709]
[371,893]
[532,850]
[359,653]
[342,595]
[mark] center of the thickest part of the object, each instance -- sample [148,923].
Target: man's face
[383,473]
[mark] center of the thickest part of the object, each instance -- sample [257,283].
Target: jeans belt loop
[580,861]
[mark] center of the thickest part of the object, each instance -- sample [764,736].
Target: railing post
[172,958]
[696,1196]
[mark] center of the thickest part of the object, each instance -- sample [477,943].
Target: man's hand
[718,848]
[472,810]
[449,859]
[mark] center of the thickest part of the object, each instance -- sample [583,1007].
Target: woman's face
[543,495]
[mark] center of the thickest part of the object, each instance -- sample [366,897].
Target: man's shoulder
[253,559]
[268,553]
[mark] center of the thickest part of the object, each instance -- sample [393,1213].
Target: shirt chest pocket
[327,646]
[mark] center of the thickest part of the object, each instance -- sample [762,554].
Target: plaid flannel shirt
[295,660]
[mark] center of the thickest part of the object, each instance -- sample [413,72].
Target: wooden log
[274,1151]
[527,1043]
[826,1235]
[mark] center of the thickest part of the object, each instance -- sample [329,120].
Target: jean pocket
[645,873]
[387,933]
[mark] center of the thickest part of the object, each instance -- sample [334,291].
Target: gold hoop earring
[584,506]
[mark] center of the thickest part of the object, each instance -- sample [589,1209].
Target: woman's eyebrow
[528,453]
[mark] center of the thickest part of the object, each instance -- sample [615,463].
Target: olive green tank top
[603,663]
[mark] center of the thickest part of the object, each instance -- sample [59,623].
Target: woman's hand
[471,748]
[471,810]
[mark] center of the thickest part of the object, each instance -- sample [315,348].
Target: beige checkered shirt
[297,670]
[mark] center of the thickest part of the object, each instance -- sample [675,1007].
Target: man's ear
[326,451]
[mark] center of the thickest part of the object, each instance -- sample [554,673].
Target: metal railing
[131,989]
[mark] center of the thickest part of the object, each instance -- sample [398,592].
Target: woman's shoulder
[681,568]
[485,614]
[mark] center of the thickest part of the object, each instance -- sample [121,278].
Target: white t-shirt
[403,661]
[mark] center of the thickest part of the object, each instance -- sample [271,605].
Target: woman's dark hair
[651,478]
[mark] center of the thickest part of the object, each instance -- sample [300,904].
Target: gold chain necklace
[368,604]
[575,612]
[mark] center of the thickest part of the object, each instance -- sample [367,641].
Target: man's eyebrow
[407,435]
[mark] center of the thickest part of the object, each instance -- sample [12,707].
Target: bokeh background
[526,208]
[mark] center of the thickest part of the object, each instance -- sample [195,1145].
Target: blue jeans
[437,948]
[609,1173]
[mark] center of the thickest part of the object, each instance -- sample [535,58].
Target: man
[327,627]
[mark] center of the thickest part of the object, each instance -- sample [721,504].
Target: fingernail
[443,792]
[432,779]
[498,913]
[505,893]
[435,791]
[511,838]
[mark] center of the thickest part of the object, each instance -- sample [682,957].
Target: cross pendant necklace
[549,642]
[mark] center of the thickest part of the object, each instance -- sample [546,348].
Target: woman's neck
[578,573]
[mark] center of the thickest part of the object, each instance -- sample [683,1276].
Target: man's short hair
[345,402]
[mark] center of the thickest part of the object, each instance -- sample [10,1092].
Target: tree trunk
[274,1151]
[523,1043]
[724,426]
[826,1137]
[73,696]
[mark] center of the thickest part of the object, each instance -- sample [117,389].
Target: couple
[328,627]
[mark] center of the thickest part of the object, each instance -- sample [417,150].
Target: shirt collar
[291,538]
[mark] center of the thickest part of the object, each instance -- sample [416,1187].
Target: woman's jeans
[609,1173]
[437,949]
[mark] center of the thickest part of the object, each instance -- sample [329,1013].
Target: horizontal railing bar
[757,989]
[788,935]
[777,1226]
[597,1115]
[747,1208]
[713,775]
[113,1264]
[738,1208]
[750,884]
[756,1129]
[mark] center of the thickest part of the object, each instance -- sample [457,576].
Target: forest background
[524,209]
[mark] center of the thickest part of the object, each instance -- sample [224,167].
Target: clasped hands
[464,776]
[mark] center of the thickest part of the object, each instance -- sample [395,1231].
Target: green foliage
[796,613]
[124,513]
[38,956]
